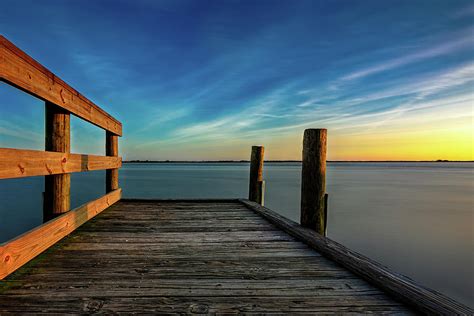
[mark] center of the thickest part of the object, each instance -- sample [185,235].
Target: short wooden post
[111,149]
[313,180]
[57,138]
[256,175]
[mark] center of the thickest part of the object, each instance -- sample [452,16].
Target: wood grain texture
[23,72]
[181,257]
[111,150]
[261,192]
[256,174]
[313,179]
[18,163]
[17,252]
[205,305]
[423,299]
[57,135]
[57,188]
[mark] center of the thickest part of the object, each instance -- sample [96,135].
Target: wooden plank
[183,237]
[204,250]
[204,305]
[17,252]
[57,188]
[216,254]
[175,203]
[183,287]
[423,299]
[17,163]
[235,247]
[153,215]
[122,268]
[182,211]
[127,214]
[23,72]
[195,221]
[187,228]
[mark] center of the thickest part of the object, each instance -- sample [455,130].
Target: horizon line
[282,161]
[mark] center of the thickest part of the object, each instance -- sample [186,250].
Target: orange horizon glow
[403,140]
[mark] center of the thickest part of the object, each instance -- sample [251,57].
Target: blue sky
[208,79]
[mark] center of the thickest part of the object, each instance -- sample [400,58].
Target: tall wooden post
[313,180]
[111,149]
[57,138]
[256,185]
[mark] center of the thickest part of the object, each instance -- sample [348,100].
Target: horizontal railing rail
[20,70]
[56,162]
[17,163]
[20,250]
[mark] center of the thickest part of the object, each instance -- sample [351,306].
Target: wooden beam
[423,299]
[23,72]
[18,163]
[111,149]
[57,188]
[17,252]
[313,180]
[261,193]
[256,174]
[179,200]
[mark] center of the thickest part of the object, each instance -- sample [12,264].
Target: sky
[206,80]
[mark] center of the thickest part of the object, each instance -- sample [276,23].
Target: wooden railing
[56,162]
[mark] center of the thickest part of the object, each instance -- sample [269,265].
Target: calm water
[416,218]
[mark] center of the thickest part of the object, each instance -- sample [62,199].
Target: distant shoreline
[293,161]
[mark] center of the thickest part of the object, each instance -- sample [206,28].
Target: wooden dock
[186,257]
[113,255]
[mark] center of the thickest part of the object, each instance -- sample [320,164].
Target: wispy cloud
[13,130]
[422,85]
[467,11]
[277,115]
[160,116]
[439,50]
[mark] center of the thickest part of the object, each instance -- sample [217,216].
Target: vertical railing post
[57,188]
[313,180]
[111,149]
[256,184]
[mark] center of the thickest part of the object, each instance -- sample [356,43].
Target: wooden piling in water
[111,149]
[256,185]
[57,139]
[313,180]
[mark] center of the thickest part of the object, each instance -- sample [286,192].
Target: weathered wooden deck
[190,257]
